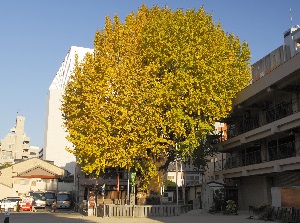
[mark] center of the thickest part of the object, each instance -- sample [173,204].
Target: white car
[7,204]
[10,202]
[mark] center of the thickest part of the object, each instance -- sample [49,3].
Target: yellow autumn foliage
[159,78]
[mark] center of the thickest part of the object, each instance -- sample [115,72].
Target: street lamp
[78,176]
[95,196]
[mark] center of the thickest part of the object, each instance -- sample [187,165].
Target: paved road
[44,217]
[71,217]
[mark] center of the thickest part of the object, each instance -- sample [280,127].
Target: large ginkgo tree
[152,89]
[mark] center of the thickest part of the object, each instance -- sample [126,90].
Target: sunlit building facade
[55,135]
[262,147]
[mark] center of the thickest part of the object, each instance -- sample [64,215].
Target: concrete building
[262,148]
[30,175]
[187,174]
[55,135]
[216,161]
[16,145]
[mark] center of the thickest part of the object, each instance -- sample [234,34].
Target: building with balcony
[262,147]
[16,145]
[55,141]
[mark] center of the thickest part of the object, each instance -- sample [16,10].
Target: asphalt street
[69,216]
[45,217]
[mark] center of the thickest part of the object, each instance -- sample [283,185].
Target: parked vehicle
[50,197]
[26,203]
[10,202]
[7,204]
[64,200]
[39,198]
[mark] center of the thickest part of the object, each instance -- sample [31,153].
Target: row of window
[33,183]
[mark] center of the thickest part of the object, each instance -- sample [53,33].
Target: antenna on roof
[291,17]
[18,111]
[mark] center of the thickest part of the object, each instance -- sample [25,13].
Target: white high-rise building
[55,135]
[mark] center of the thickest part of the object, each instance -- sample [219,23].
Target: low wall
[139,211]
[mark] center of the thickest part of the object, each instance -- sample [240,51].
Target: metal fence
[288,215]
[243,125]
[280,151]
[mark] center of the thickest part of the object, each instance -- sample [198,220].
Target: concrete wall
[55,134]
[63,186]
[55,141]
[5,191]
[253,191]
[207,197]
[194,192]
[22,186]
[276,196]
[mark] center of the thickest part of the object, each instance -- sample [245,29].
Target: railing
[250,158]
[247,124]
[280,111]
[289,215]
[280,151]
[138,211]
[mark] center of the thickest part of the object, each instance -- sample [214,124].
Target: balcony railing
[280,111]
[264,117]
[281,151]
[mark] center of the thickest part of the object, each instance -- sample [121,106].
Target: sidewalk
[190,217]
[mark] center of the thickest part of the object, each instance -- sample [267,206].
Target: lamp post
[78,176]
[176,169]
[127,197]
[95,196]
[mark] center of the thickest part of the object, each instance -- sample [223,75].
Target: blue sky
[36,35]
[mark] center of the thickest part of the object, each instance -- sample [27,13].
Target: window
[170,177]
[24,182]
[298,43]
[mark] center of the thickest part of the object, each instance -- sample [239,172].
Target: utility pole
[182,183]
[127,197]
[176,176]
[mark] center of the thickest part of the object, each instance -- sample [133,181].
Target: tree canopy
[152,89]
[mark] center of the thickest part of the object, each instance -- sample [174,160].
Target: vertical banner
[132,177]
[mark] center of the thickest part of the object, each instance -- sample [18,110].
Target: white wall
[276,196]
[207,197]
[5,191]
[55,135]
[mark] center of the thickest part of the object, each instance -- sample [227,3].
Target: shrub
[231,207]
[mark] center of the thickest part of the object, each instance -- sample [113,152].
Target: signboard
[91,200]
